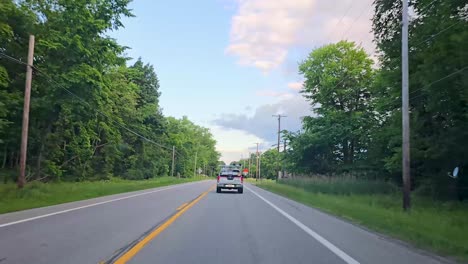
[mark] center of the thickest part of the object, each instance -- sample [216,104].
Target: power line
[428,85]
[85,102]
[342,17]
[438,33]
[12,59]
[411,98]
[426,40]
[103,114]
[421,10]
[441,79]
[356,19]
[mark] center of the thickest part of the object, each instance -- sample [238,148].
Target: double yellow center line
[139,246]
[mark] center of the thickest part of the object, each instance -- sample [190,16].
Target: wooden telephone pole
[250,161]
[257,165]
[173,161]
[24,130]
[405,111]
[279,137]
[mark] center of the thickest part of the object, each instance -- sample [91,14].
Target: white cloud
[276,94]
[296,86]
[262,124]
[263,32]
[233,143]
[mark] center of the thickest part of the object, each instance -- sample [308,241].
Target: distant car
[230,180]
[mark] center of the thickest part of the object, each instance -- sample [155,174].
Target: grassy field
[38,194]
[436,226]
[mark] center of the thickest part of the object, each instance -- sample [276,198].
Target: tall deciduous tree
[337,83]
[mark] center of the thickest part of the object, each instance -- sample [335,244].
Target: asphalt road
[191,223]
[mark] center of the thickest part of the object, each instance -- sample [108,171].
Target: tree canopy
[355,126]
[94,113]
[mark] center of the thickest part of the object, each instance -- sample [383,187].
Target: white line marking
[94,204]
[309,231]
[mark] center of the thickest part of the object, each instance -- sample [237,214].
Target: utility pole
[195,167]
[173,160]
[27,98]
[250,161]
[279,136]
[259,165]
[405,110]
[279,128]
[241,162]
[256,165]
[284,154]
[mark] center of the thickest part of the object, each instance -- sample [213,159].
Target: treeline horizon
[93,114]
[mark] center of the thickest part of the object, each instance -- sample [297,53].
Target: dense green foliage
[356,125]
[437,226]
[438,92]
[92,116]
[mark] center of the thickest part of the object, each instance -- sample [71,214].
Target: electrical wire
[421,10]
[428,85]
[411,98]
[85,102]
[12,59]
[356,19]
[438,33]
[342,17]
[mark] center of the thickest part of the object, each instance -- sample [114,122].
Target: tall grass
[343,185]
[37,194]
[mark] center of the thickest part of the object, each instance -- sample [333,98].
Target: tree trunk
[12,160]
[345,151]
[351,152]
[17,161]
[39,161]
[5,153]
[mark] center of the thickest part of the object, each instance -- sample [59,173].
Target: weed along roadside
[37,194]
[440,227]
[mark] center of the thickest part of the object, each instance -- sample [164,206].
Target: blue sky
[231,64]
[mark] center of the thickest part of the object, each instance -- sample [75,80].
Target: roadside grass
[441,227]
[250,180]
[37,194]
[342,185]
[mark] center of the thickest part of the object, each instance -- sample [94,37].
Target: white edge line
[348,259]
[91,205]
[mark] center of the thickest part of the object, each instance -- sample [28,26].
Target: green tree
[438,89]
[190,139]
[92,116]
[338,79]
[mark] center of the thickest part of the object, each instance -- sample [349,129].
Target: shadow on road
[226,192]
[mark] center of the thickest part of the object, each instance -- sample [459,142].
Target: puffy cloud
[233,143]
[263,32]
[262,124]
[296,86]
[270,93]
